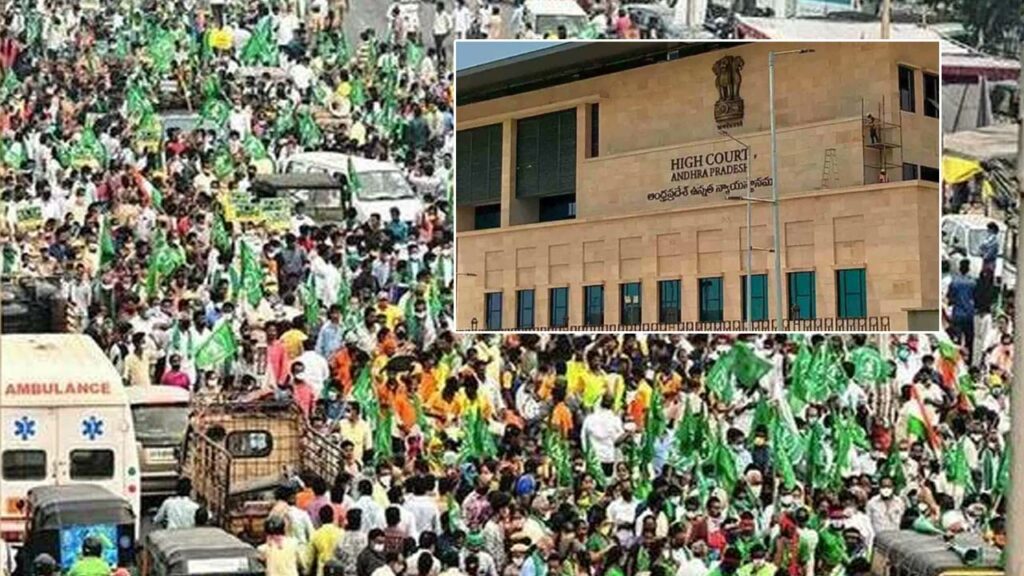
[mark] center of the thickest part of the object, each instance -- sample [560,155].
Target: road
[365,14]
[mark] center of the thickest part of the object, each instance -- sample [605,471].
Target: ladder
[829,173]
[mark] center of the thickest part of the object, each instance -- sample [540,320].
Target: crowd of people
[686,455]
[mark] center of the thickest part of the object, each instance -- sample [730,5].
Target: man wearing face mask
[730,565]
[758,564]
[372,557]
[622,513]
[886,509]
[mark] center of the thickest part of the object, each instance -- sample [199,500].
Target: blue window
[559,307]
[851,293]
[801,295]
[759,298]
[494,311]
[593,305]
[524,309]
[487,216]
[710,299]
[629,304]
[554,208]
[669,298]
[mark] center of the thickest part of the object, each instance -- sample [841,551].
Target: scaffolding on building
[882,140]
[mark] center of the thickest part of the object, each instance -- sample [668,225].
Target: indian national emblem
[729,107]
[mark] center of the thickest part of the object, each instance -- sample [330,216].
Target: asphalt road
[365,14]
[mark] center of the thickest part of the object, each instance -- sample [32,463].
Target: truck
[64,420]
[238,452]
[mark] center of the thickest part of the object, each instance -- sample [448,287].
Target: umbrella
[984,103]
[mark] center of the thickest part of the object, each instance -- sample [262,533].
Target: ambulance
[64,419]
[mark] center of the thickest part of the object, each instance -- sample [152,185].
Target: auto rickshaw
[910,553]
[61,517]
[205,550]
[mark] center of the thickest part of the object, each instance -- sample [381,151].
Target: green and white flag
[252,275]
[219,346]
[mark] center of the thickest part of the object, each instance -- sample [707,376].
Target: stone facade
[637,221]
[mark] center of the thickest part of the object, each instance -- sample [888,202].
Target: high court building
[604,185]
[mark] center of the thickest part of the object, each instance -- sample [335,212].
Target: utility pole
[1015,504]
[776,228]
[885,19]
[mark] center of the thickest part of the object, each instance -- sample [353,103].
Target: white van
[545,16]
[161,415]
[64,419]
[962,235]
[383,184]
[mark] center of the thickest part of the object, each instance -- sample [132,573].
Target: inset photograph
[697,186]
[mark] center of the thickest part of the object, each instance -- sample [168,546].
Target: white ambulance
[64,419]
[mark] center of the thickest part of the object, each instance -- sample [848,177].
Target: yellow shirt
[284,557]
[292,341]
[321,546]
[392,315]
[358,434]
[136,370]
[574,377]
[594,387]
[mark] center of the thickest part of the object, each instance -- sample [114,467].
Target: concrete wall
[889,229]
[652,114]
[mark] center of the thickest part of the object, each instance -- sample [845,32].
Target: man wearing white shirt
[316,369]
[423,507]
[603,429]
[301,75]
[463,18]
[442,28]
[622,513]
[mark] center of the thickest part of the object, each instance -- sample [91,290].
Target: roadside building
[597,183]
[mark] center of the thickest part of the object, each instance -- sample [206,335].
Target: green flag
[689,437]
[309,133]
[955,463]
[9,85]
[593,465]
[107,251]
[160,49]
[869,366]
[149,128]
[720,378]
[252,275]
[219,233]
[557,450]
[382,444]
[893,467]
[364,394]
[223,165]
[310,302]
[477,441]
[655,425]
[748,366]
[164,261]
[14,154]
[261,48]
[847,434]
[357,96]
[254,148]
[817,460]
[214,112]
[783,441]
[725,465]
[1003,475]
[218,346]
[355,184]
[413,55]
